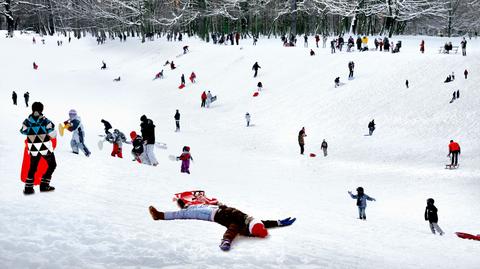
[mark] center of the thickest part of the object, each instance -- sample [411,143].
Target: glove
[225,245]
[286,222]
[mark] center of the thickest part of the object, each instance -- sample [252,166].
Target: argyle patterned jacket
[39,131]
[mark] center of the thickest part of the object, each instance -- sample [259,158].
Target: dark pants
[454,158]
[255,75]
[26,102]
[177,123]
[203,103]
[350,75]
[15,99]
[302,149]
[34,160]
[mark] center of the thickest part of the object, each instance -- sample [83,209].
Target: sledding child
[137,147]
[432,217]
[361,202]
[117,139]
[185,157]
[233,219]
[74,125]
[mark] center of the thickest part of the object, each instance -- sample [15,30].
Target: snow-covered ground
[98,215]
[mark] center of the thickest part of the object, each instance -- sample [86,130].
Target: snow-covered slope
[98,217]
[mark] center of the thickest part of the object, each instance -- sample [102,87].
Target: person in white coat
[74,125]
[209,99]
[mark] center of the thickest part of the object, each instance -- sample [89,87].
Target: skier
[432,217]
[247,118]
[38,128]
[406,83]
[465,73]
[301,140]
[361,202]
[422,46]
[324,148]
[312,53]
[182,79]
[193,76]
[177,121]
[148,134]
[233,219]
[185,157]
[74,124]
[371,127]
[137,147]
[14,97]
[454,151]
[117,139]
[337,82]
[35,66]
[104,66]
[351,66]
[107,126]
[159,75]
[209,99]
[464,47]
[255,67]
[204,99]
[26,96]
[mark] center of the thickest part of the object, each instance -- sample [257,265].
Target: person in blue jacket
[75,126]
[361,202]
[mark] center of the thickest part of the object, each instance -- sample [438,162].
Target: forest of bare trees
[250,17]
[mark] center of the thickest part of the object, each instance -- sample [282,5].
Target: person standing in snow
[305,44]
[185,157]
[107,126]
[148,134]
[237,37]
[361,202]
[177,121]
[454,151]
[104,66]
[193,76]
[255,68]
[247,118]
[26,96]
[233,219]
[351,66]
[406,83]
[465,73]
[38,127]
[422,46]
[464,47]
[324,148]
[259,86]
[337,82]
[432,217]
[332,45]
[74,125]
[204,99]
[371,127]
[185,49]
[209,99]
[14,97]
[182,79]
[117,139]
[301,140]
[35,66]
[317,39]
[138,152]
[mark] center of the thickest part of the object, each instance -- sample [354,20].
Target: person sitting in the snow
[172,65]
[448,79]
[104,65]
[166,63]
[185,157]
[337,82]
[117,79]
[117,139]
[312,53]
[159,75]
[233,219]
[185,49]
[259,86]
[361,202]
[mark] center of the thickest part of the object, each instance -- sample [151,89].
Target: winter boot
[225,245]
[156,215]
[45,185]
[29,187]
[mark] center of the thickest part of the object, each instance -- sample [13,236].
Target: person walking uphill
[148,134]
[371,127]
[14,97]
[454,151]
[177,121]
[185,157]
[432,217]
[351,66]
[26,96]
[74,125]
[233,219]
[301,140]
[38,128]
[361,202]
[255,68]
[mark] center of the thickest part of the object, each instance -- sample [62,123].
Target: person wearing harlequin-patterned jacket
[74,125]
[39,131]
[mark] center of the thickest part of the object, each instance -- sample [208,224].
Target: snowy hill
[98,215]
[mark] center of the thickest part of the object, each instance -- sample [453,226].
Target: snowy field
[98,215]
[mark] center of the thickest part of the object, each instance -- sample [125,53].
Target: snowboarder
[247,118]
[465,73]
[371,127]
[104,66]
[177,121]
[35,66]
[464,47]
[26,96]
[255,68]
[148,134]
[361,202]
[159,75]
[185,157]
[204,99]
[337,82]
[324,148]
[192,77]
[137,147]
[432,217]
[351,66]
[117,139]
[209,99]
[14,97]
[301,140]
[312,53]
[182,79]
[233,219]
[454,151]
[38,128]
[74,124]
[185,49]
[422,46]
[406,83]
[107,126]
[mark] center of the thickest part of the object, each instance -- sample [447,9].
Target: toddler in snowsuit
[116,139]
[75,126]
[137,144]
[361,202]
[432,217]
[185,157]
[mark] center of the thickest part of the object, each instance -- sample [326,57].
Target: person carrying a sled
[233,219]
[361,202]
[453,151]
[432,217]
[38,128]
[185,157]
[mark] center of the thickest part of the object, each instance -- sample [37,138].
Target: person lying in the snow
[235,220]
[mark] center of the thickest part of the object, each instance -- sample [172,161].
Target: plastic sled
[255,94]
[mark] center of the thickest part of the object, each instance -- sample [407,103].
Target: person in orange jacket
[454,151]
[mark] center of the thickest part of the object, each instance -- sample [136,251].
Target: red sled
[255,94]
[181,86]
[195,198]
[468,236]
[313,155]
[42,165]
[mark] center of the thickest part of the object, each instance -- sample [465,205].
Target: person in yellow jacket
[365,42]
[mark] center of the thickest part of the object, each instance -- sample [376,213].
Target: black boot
[28,190]
[45,185]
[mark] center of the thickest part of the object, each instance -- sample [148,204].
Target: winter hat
[72,112]
[360,189]
[133,135]
[37,107]
[430,201]
[256,228]
[143,118]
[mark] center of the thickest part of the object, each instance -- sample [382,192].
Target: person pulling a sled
[454,151]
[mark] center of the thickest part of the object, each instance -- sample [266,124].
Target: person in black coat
[177,121]
[255,68]
[183,79]
[432,217]
[26,96]
[148,134]
[107,126]
[371,127]
[14,97]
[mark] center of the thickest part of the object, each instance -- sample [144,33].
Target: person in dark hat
[361,202]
